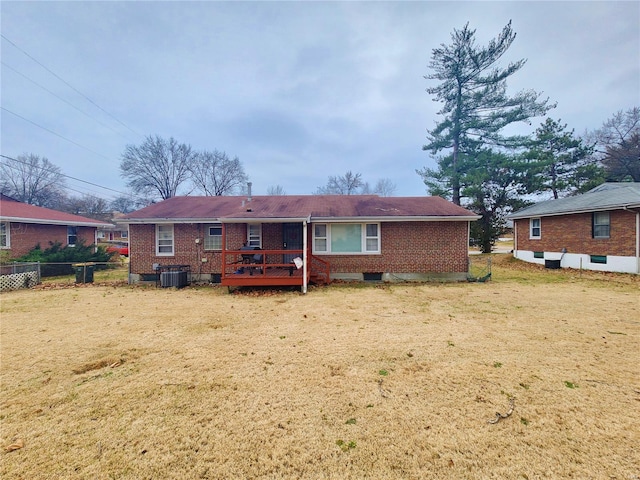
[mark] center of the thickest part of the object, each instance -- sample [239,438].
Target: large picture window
[601,225]
[164,239]
[213,237]
[346,238]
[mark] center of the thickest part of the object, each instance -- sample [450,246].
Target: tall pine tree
[559,162]
[475,105]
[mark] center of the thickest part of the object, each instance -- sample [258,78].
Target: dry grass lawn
[347,382]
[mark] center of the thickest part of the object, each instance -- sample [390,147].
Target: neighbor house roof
[608,196]
[14,211]
[316,208]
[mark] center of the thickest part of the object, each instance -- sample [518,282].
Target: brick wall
[573,232]
[407,247]
[25,236]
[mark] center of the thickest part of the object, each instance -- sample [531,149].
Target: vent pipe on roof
[248,191]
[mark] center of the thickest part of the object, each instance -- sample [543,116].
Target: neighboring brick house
[23,226]
[350,236]
[598,230]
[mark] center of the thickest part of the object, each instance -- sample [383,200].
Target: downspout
[223,256]
[304,256]
[637,237]
[515,239]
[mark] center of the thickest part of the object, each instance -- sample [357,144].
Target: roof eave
[518,216]
[400,218]
[42,221]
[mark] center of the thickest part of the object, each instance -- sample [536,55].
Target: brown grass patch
[350,381]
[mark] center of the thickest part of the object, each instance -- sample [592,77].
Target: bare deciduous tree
[348,184]
[32,179]
[157,166]
[215,174]
[276,190]
[385,188]
[352,184]
[88,206]
[618,145]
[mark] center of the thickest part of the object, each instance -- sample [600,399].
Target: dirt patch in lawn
[349,381]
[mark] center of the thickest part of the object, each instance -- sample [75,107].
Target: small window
[72,236]
[164,239]
[320,237]
[100,234]
[4,235]
[535,230]
[538,254]
[599,259]
[124,234]
[372,239]
[254,235]
[601,225]
[213,237]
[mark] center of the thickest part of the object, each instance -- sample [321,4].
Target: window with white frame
[213,237]
[601,225]
[5,240]
[254,235]
[100,234]
[346,238]
[124,234]
[164,239]
[535,229]
[72,236]
[320,237]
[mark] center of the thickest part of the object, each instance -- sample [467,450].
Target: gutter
[54,222]
[520,216]
[309,219]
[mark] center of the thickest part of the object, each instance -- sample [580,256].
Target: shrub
[58,260]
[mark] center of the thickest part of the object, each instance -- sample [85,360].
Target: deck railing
[269,267]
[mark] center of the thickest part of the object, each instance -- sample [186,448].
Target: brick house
[598,230]
[23,226]
[301,238]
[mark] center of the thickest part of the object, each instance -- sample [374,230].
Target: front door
[291,240]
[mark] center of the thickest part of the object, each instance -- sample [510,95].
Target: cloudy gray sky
[297,90]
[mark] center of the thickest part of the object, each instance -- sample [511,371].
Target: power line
[62,99]
[70,86]
[54,133]
[70,177]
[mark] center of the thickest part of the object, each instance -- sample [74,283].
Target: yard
[347,382]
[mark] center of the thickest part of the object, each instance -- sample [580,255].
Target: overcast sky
[297,90]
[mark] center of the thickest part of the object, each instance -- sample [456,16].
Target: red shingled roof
[14,211]
[315,207]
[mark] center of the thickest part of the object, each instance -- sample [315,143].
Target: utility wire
[62,99]
[70,86]
[54,133]
[68,176]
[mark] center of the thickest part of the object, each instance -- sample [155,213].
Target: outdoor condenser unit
[173,279]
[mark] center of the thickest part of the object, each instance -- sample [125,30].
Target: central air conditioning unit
[173,279]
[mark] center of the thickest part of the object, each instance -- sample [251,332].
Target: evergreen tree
[476,107]
[559,162]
